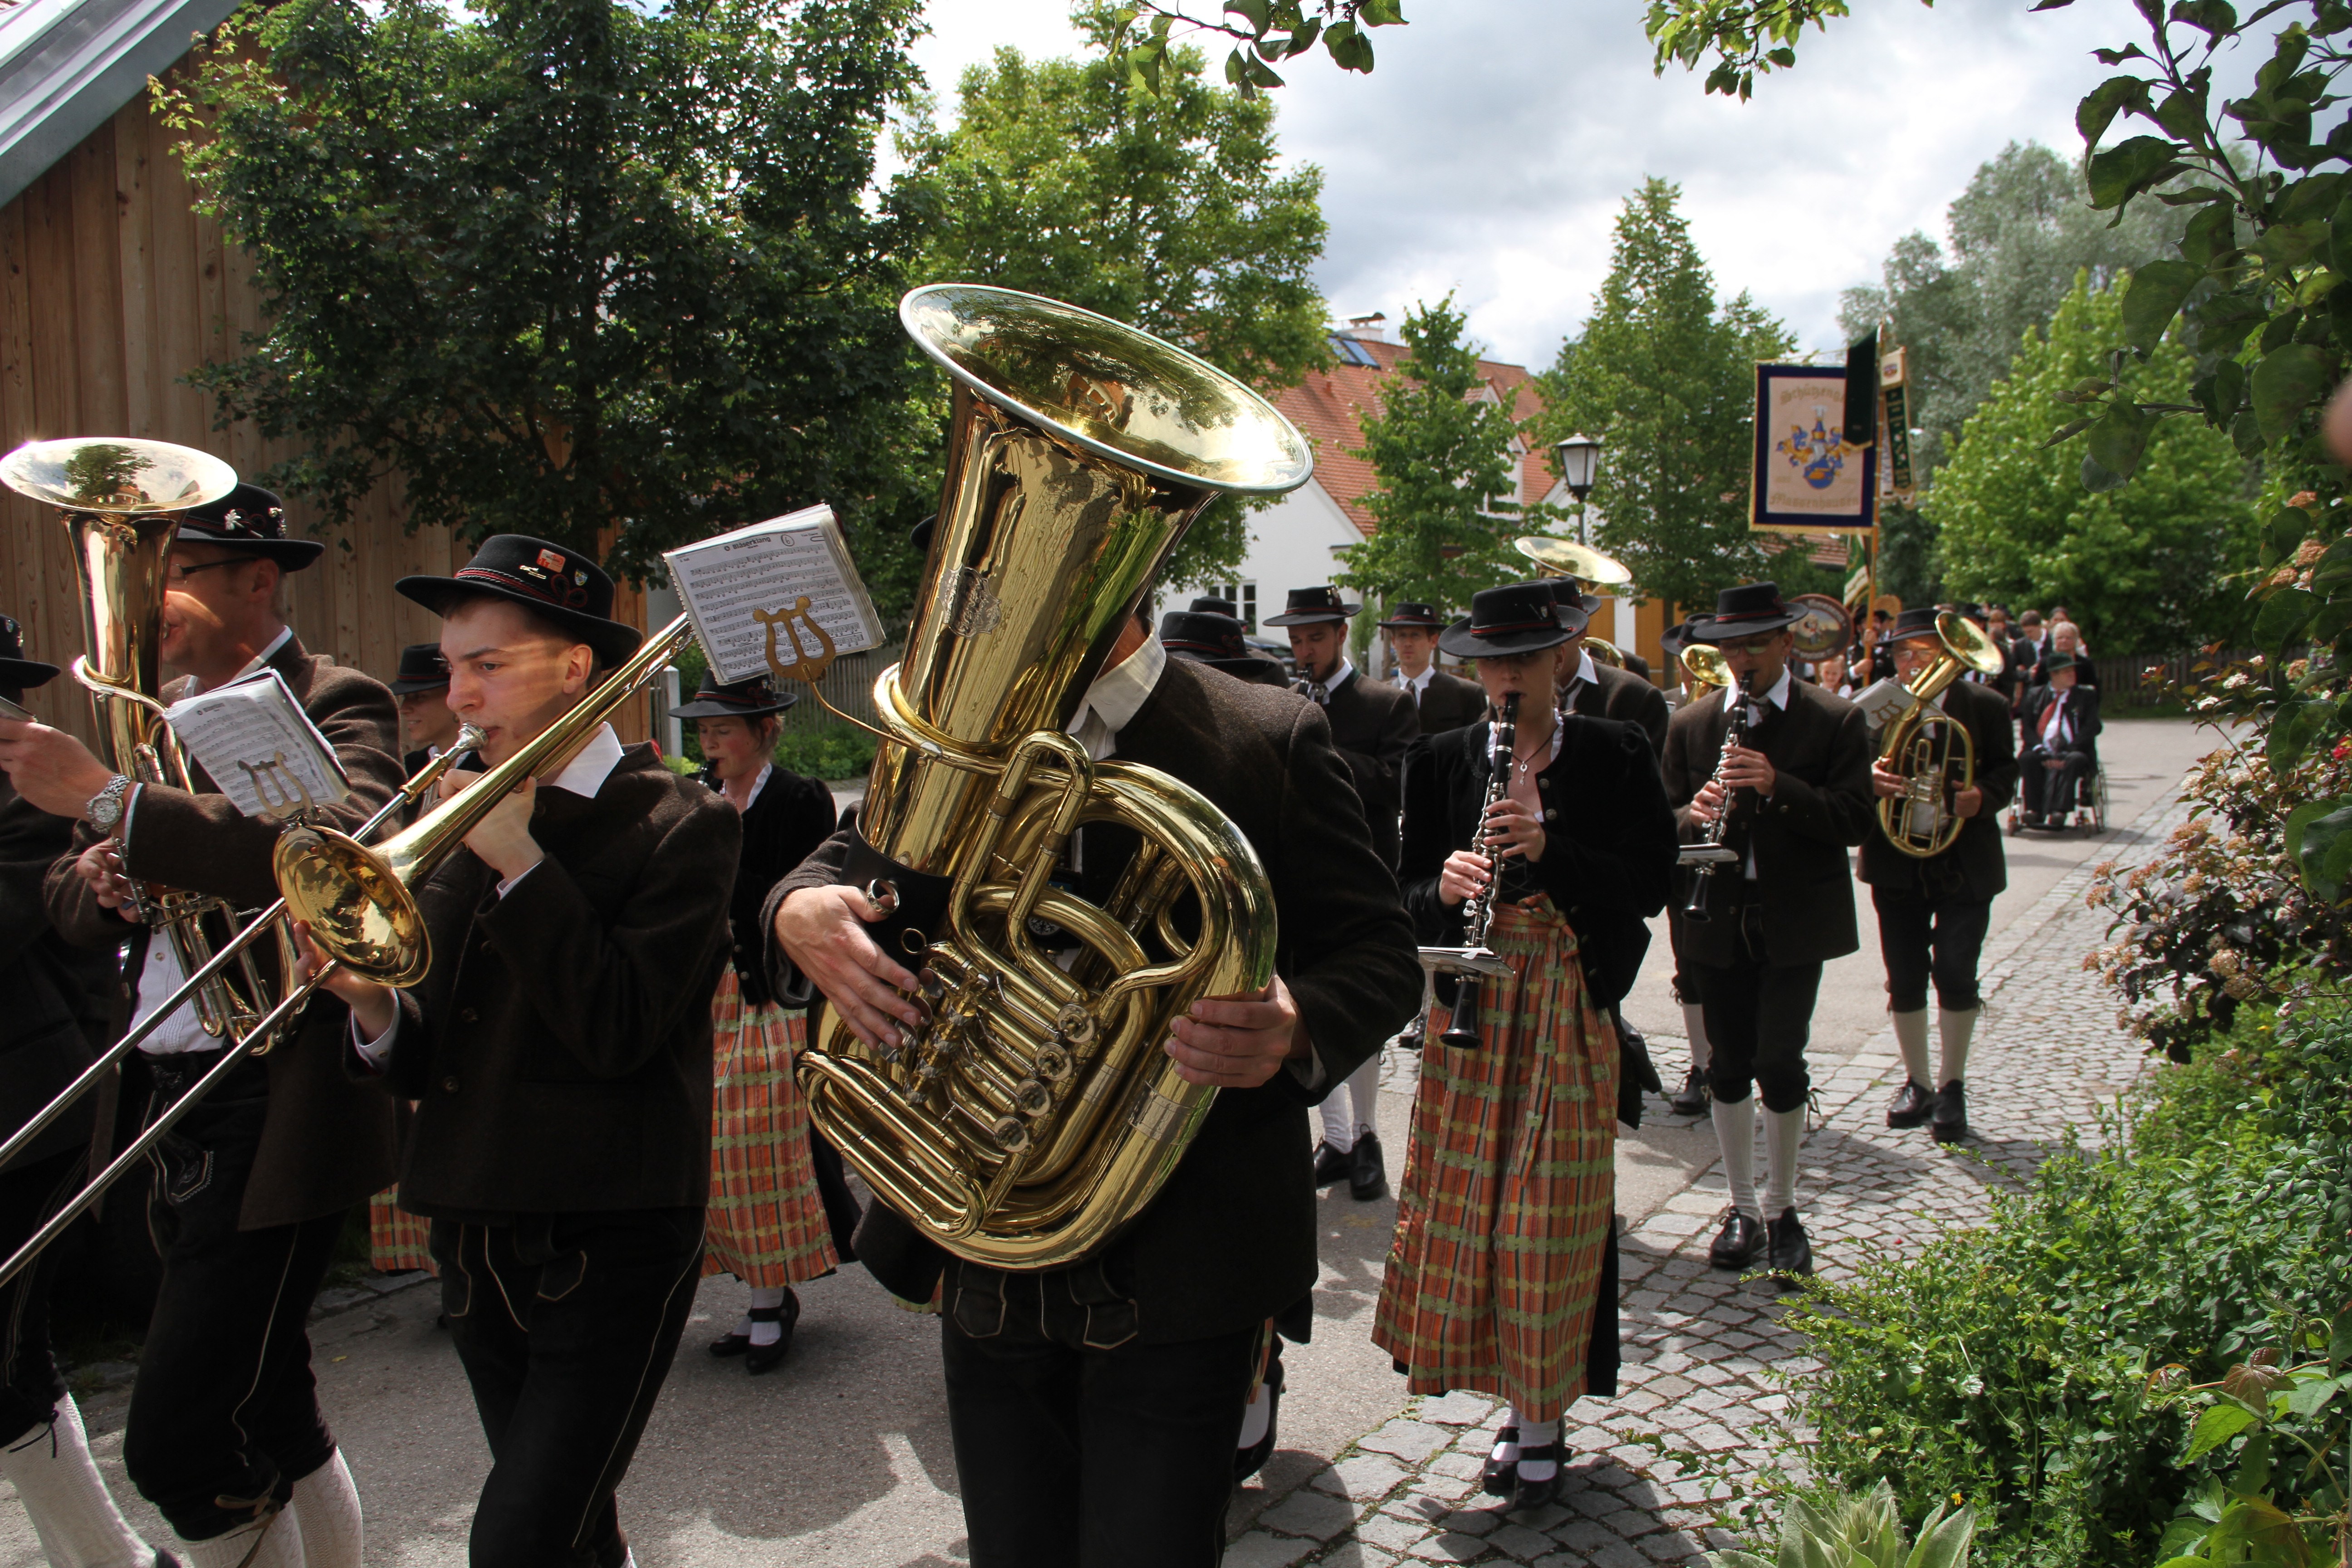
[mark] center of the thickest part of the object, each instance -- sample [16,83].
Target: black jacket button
[467,1016]
[449,1085]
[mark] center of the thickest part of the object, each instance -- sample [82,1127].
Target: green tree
[571,268]
[1163,207]
[1666,379]
[2145,567]
[1442,451]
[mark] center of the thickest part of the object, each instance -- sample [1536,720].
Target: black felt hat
[1209,604]
[1565,591]
[1920,623]
[1221,642]
[422,668]
[1305,607]
[752,699]
[1411,613]
[1518,617]
[18,673]
[1746,611]
[1676,638]
[252,521]
[561,584]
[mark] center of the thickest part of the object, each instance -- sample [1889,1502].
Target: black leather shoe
[1535,1494]
[1952,1112]
[1692,1098]
[1249,1461]
[1912,1105]
[1332,1165]
[730,1345]
[1500,1479]
[767,1358]
[1739,1244]
[1368,1178]
[1788,1255]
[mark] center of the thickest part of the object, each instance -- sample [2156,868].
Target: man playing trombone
[254,1184]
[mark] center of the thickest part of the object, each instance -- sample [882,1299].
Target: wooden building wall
[112,286]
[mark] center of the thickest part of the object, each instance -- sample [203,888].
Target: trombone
[358,905]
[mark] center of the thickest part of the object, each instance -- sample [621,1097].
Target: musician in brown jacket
[254,1186]
[1796,797]
[559,1053]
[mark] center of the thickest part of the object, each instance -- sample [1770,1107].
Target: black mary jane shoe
[1368,1173]
[1736,1245]
[1692,1098]
[1249,1461]
[1498,1478]
[1951,1122]
[767,1358]
[1535,1494]
[1333,1166]
[1913,1104]
[732,1343]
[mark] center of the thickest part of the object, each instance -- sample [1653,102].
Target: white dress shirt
[1417,684]
[1779,698]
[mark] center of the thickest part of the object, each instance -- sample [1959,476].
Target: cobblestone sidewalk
[1702,1348]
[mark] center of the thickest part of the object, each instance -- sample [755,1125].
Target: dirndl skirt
[767,1223]
[395,1237]
[1505,1215]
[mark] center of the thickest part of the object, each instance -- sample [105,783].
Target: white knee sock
[280,1545]
[1536,1435]
[1735,1133]
[1957,1027]
[72,1511]
[1783,1130]
[327,1507]
[1256,1415]
[765,1300]
[1911,1036]
[1353,1106]
[1695,1026]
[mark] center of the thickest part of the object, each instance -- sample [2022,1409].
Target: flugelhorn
[1932,750]
[1035,1112]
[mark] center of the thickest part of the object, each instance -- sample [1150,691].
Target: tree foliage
[1262,31]
[1743,39]
[1445,498]
[1666,378]
[573,269]
[2145,567]
[1165,207]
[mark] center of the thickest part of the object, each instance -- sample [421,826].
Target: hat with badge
[752,699]
[1219,641]
[1305,607]
[1676,638]
[1407,615]
[422,668]
[16,672]
[1750,610]
[252,521]
[563,586]
[1518,617]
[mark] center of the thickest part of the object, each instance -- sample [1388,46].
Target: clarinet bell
[1461,1031]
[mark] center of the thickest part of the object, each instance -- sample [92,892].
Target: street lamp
[1577,457]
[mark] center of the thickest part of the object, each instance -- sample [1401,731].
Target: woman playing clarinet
[1503,1275]
[781,1212]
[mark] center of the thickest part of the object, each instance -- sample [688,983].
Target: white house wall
[1296,543]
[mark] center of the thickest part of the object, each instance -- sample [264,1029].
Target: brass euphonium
[1931,748]
[119,500]
[1035,1111]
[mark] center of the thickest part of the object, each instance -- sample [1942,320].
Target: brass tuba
[1931,748]
[1035,1111]
[119,500]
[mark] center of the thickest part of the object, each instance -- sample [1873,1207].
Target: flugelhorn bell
[1566,558]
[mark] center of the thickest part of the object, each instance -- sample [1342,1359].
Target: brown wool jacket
[1821,807]
[1974,867]
[559,1049]
[1230,1240]
[55,1020]
[327,1143]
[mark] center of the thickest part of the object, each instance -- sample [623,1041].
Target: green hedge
[2011,1366]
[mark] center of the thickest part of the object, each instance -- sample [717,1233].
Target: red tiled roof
[1329,405]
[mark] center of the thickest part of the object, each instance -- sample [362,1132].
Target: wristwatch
[105,808]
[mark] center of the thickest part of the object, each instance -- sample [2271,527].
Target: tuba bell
[1035,1112]
[1930,748]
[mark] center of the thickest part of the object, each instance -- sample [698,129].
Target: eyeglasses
[179,573]
[1753,647]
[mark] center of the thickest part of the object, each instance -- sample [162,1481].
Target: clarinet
[1704,856]
[1478,910]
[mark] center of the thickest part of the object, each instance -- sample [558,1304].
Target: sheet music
[1883,701]
[258,747]
[725,583]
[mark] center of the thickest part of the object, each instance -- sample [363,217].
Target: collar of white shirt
[255,666]
[585,773]
[1777,697]
[1418,684]
[1584,668]
[1340,676]
[1116,696]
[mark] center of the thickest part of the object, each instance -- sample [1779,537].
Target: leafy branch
[1264,31]
[1749,38]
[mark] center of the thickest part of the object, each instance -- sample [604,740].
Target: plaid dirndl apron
[766,1222]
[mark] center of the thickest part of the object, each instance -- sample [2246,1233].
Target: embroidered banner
[1807,479]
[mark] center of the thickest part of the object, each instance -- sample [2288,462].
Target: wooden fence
[2126,682]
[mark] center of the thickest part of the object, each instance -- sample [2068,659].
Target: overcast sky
[1490,152]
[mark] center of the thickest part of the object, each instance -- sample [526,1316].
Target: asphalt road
[842,1456]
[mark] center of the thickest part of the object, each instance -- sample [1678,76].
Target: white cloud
[1488,152]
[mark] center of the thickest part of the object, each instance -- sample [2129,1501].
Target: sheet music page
[768,568]
[1883,701]
[258,746]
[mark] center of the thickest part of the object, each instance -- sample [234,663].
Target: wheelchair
[2090,815]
